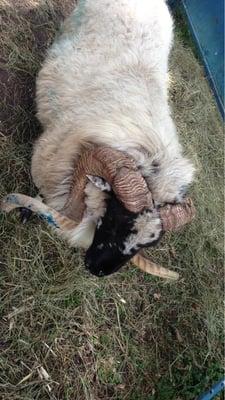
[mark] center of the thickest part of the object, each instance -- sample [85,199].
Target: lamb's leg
[25,213]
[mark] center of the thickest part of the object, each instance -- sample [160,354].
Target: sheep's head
[131,221]
[119,235]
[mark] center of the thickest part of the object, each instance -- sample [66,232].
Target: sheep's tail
[150,267]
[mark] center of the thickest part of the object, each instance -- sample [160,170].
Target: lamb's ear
[99,182]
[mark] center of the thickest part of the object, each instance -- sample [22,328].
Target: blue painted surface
[49,218]
[216,389]
[206,19]
[206,22]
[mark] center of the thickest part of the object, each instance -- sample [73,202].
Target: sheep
[104,84]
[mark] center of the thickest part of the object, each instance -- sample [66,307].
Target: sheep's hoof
[25,215]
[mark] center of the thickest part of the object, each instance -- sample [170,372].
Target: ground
[65,334]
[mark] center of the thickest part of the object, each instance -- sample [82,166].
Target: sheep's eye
[155,164]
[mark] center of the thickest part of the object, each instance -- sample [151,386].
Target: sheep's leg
[25,213]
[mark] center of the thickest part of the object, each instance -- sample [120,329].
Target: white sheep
[104,83]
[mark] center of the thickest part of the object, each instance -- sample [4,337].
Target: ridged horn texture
[55,219]
[174,216]
[119,170]
[148,266]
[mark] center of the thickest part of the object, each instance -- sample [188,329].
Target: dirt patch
[27,30]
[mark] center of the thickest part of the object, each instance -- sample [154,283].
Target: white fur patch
[148,226]
[99,182]
[81,236]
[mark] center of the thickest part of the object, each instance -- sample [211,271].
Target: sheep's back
[111,57]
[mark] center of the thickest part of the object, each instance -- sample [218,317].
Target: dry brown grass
[67,335]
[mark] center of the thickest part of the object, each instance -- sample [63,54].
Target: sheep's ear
[99,182]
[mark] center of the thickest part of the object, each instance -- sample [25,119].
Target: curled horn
[119,170]
[55,219]
[174,216]
[146,265]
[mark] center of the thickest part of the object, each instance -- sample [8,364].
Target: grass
[67,335]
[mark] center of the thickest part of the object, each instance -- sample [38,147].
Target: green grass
[130,336]
[182,30]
